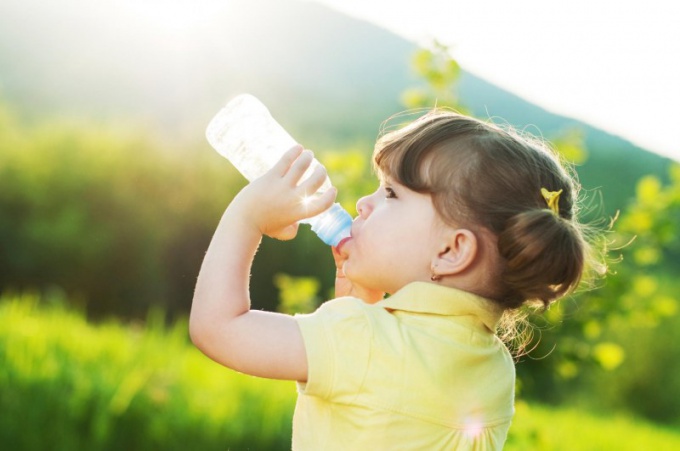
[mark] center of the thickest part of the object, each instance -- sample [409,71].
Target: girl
[469,222]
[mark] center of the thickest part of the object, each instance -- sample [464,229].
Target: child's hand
[345,287]
[275,202]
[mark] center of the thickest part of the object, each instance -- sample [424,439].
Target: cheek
[363,255]
[377,239]
[373,253]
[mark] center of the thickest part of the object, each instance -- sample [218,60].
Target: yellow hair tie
[552,198]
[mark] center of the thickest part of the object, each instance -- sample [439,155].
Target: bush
[106,214]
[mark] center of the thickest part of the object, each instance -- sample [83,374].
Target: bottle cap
[333,225]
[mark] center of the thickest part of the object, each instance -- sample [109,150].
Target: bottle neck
[333,225]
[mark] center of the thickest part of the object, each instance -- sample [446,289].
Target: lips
[342,243]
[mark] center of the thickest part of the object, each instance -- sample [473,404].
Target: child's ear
[456,255]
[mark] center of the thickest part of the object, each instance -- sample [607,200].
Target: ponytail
[544,257]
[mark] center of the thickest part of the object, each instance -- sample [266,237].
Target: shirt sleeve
[337,338]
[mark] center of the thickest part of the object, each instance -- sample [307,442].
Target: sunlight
[172,15]
[306,202]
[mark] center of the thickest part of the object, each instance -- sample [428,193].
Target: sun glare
[306,201]
[473,428]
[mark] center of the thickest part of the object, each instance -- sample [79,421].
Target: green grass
[66,384]
[556,429]
[134,387]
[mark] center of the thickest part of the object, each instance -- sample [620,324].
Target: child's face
[394,239]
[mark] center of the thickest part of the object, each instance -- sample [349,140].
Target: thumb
[287,233]
[337,257]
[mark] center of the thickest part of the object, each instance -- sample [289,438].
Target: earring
[434,277]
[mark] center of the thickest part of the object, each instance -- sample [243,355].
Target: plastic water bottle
[247,135]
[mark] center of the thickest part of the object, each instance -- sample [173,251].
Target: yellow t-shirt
[421,370]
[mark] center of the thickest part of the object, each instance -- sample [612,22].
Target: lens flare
[473,428]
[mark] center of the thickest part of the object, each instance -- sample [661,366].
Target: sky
[612,64]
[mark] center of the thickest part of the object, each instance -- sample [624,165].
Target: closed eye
[389,193]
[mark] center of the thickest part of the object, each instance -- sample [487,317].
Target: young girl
[470,221]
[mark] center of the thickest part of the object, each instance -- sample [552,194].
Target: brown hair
[480,175]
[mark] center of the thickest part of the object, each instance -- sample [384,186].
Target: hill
[330,79]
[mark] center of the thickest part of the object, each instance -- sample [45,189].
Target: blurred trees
[601,336]
[118,220]
[103,214]
[439,74]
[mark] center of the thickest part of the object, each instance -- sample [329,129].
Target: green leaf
[609,355]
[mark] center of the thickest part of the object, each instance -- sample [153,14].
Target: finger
[312,184]
[287,233]
[287,159]
[321,203]
[339,259]
[299,167]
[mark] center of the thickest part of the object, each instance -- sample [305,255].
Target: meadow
[67,383]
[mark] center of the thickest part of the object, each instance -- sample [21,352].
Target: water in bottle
[247,135]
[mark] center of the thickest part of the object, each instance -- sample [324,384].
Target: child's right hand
[345,287]
[274,203]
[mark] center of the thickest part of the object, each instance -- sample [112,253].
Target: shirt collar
[424,297]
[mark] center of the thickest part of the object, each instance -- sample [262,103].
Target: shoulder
[346,310]
[345,303]
[337,339]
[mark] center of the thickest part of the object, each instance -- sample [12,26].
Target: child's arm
[221,323]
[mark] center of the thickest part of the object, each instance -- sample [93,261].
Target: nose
[364,207]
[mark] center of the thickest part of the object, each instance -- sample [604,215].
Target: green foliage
[120,219]
[592,332]
[352,174]
[440,72]
[297,294]
[143,386]
[571,145]
[639,306]
[651,225]
[647,382]
[653,219]
[136,387]
[105,214]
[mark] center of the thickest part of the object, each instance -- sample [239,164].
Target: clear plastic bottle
[247,135]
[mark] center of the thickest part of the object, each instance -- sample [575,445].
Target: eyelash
[390,194]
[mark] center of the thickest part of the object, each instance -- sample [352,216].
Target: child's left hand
[275,202]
